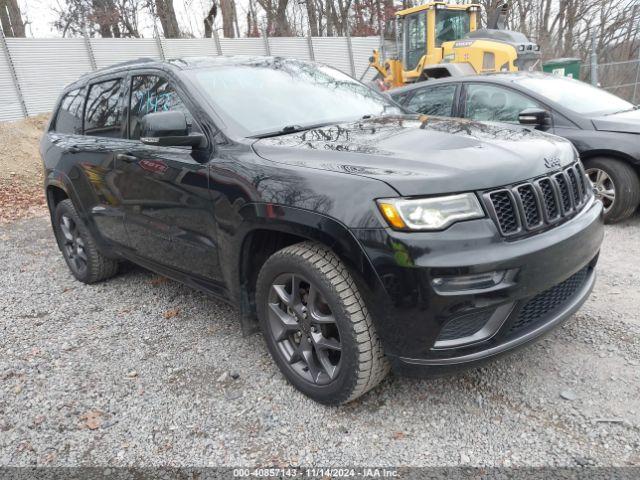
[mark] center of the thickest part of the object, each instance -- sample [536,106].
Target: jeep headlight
[434,213]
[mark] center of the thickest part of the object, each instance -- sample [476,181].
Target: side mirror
[536,117]
[168,129]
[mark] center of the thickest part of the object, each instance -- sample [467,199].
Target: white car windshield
[575,95]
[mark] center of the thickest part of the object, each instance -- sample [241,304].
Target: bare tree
[165,12]
[11,19]
[252,20]
[276,13]
[107,18]
[228,9]
[312,15]
[209,19]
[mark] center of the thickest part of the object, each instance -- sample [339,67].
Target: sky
[40,16]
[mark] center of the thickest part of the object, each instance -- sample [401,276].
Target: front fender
[237,256]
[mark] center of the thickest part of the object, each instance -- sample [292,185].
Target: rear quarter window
[69,115]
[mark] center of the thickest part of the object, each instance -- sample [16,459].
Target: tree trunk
[281,24]
[228,9]
[252,21]
[313,17]
[10,17]
[167,16]
[105,14]
[208,21]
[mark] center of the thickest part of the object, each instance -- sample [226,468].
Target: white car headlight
[435,213]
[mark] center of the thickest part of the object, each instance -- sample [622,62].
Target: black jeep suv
[357,237]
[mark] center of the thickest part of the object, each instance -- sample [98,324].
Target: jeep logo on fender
[552,162]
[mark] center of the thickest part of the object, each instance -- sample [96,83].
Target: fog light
[462,283]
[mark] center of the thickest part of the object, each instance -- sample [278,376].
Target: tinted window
[149,94]
[400,98]
[495,104]
[103,116]
[434,101]
[69,116]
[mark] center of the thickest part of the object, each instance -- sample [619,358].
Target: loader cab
[424,29]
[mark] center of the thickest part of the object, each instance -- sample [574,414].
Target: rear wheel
[616,184]
[316,325]
[78,246]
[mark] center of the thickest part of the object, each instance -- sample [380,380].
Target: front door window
[495,104]
[415,39]
[149,94]
[436,100]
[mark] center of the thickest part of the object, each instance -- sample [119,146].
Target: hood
[419,155]
[625,122]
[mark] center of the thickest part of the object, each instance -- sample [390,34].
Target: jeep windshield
[270,97]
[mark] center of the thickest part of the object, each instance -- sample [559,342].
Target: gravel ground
[142,371]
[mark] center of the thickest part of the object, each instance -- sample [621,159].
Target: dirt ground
[21,168]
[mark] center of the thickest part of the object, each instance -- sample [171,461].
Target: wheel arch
[55,193]
[614,154]
[270,228]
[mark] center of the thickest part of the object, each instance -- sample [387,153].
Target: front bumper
[541,281]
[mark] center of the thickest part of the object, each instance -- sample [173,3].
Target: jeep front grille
[539,203]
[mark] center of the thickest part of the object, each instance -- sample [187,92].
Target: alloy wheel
[605,189]
[72,244]
[304,329]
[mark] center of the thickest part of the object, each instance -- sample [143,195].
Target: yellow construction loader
[439,39]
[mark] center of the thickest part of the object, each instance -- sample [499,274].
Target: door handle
[126,157]
[73,149]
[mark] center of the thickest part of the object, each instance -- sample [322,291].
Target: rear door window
[69,116]
[437,100]
[103,113]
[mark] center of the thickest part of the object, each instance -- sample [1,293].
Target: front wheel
[616,184]
[316,325]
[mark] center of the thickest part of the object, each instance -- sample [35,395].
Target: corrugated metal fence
[34,71]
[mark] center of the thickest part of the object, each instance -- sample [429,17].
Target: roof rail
[132,62]
[124,64]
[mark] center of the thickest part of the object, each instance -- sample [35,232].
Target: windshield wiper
[292,129]
[635,107]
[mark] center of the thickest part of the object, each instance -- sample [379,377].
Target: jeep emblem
[552,162]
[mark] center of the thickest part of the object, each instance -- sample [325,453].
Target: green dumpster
[565,67]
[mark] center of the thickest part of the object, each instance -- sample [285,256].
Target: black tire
[78,246]
[624,182]
[359,365]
